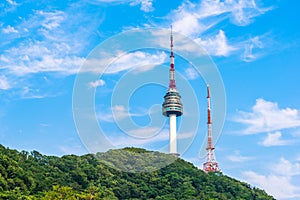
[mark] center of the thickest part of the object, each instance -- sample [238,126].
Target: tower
[211,165]
[172,106]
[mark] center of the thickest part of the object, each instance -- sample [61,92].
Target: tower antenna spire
[171,39]
[172,106]
[172,84]
[210,165]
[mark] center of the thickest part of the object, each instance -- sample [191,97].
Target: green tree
[32,175]
[60,193]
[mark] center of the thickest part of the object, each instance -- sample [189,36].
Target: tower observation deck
[172,106]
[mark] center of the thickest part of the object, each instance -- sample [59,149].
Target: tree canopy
[109,175]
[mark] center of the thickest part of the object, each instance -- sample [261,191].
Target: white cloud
[146,5]
[197,21]
[11,2]
[54,44]
[29,93]
[186,135]
[281,183]
[105,117]
[155,134]
[217,45]
[97,83]
[123,141]
[120,112]
[40,57]
[4,84]
[266,116]
[51,41]
[191,73]
[250,46]
[108,1]
[51,20]
[192,18]
[241,12]
[286,168]
[275,139]
[143,133]
[139,60]
[9,29]
[116,113]
[278,186]
[187,20]
[237,157]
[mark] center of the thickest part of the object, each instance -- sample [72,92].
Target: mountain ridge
[115,174]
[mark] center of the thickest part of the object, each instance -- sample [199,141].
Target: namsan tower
[210,165]
[172,106]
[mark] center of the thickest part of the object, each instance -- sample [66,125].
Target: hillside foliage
[31,175]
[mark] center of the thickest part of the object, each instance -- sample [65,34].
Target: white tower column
[172,106]
[173,142]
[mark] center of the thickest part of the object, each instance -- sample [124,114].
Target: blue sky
[254,45]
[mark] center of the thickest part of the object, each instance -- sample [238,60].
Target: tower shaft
[173,141]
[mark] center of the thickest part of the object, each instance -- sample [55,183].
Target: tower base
[211,167]
[175,154]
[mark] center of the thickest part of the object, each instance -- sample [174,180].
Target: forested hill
[25,175]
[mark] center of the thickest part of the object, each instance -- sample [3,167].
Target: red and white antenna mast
[210,165]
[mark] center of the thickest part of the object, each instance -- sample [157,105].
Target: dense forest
[25,175]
